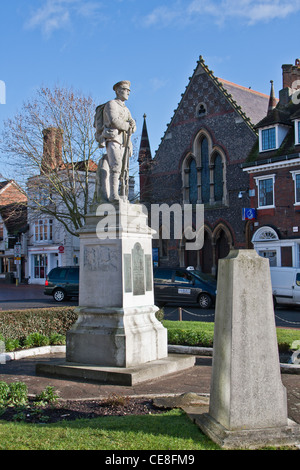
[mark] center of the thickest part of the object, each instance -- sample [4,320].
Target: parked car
[62,283]
[184,286]
[285,285]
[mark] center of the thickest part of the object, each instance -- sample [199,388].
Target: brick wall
[228,131]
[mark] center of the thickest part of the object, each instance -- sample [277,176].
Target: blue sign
[249,214]
[155,257]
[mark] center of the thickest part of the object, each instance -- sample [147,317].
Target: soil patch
[73,409]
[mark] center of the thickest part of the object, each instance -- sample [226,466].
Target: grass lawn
[195,333]
[172,430]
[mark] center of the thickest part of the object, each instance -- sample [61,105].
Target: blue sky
[91,44]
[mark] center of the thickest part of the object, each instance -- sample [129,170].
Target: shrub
[11,344]
[47,396]
[21,323]
[189,337]
[4,392]
[17,394]
[57,339]
[36,340]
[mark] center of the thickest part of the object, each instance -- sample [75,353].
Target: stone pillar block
[248,404]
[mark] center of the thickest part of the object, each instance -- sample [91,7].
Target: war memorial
[117,338]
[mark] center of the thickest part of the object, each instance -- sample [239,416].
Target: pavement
[193,380]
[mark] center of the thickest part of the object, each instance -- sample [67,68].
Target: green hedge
[16,324]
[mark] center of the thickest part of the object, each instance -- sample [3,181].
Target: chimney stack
[52,150]
[290,75]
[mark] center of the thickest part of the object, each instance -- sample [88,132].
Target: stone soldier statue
[114,126]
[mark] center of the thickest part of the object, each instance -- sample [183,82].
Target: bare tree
[52,148]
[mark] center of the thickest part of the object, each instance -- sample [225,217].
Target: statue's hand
[132,125]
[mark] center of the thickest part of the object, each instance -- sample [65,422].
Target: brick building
[273,166]
[199,162]
[13,226]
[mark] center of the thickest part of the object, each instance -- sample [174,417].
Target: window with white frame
[268,139]
[40,266]
[43,230]
[296,178]
[272,137]
[266,197]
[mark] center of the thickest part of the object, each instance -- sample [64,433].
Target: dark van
[184,286]
[62,283]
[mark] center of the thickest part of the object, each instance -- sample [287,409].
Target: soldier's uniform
[113,122]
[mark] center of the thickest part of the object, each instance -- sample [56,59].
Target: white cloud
[249,11]
[158,83]
[57,14]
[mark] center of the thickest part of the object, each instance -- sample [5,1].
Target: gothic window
[218,178]
[193,186]
[205,173]
[200,110]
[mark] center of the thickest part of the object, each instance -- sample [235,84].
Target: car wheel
[59,295]
[204,301]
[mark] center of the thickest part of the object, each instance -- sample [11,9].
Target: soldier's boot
[114,187]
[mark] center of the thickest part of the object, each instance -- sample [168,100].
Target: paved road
[27,296]
[32,296]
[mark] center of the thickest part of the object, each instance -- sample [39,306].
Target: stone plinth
[248,404]
[117,326]
[117,338]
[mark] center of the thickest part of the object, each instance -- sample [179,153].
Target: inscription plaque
[100,258]
[127,273]
[148,266]
[138,270]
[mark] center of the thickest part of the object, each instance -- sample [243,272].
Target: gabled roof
[276,116]
[3,184]
[251,105]
[11,192]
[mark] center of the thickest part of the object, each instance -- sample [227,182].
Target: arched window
[193,186]
[205,173]
[218,178]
